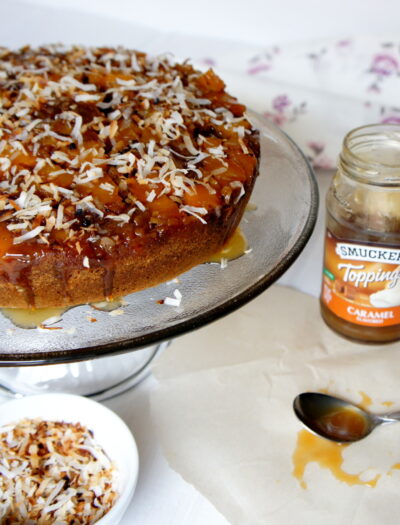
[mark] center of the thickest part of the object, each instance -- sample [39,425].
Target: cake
[118,171]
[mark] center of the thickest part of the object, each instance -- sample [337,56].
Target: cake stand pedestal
[99,379]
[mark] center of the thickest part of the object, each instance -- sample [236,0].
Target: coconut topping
[53,472]
[98,145]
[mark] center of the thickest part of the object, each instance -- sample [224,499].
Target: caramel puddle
[233,249]
[31,318]
[328,454]
[109,306]
[366,400]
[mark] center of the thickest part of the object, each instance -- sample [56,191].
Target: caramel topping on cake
[102,147]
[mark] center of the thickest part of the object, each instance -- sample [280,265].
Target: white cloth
[318,91]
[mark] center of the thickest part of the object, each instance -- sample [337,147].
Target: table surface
[162,496]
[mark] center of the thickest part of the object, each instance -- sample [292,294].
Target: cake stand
[105,357]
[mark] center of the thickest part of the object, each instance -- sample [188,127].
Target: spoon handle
[392,416]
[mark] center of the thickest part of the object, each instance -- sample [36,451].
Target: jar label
[361,282]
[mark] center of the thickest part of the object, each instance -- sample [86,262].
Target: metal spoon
[336,419]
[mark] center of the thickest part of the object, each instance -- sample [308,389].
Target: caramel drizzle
[328,455]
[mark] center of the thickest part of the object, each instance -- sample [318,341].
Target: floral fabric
[318,91]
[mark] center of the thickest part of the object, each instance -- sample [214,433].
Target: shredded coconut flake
[53,473]
[71,81]
[140,205]
[195,211]
[86,98]
[118,311]
[28,235]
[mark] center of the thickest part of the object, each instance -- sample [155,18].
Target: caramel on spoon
[336,419]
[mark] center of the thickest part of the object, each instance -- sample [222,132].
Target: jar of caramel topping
[360,297]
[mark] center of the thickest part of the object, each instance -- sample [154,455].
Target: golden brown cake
[117,171]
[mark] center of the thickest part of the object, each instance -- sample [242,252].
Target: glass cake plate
[277,226]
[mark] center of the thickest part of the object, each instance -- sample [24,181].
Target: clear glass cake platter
[106,357]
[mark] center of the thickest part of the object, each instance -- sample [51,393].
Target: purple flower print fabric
[317,91]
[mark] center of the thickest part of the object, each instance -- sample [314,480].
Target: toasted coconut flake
[195,211]
[238,184]
[71,81]
[174,301]
[140,205]
[5,163]
[28,235]
[53,473]
[86,98]
[118,311]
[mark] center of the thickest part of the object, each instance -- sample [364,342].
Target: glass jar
[360,297]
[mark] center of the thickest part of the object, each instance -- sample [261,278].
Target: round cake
[118,171]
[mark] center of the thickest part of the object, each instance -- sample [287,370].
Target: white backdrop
[256,21]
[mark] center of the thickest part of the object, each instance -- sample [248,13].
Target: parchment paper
[224,415]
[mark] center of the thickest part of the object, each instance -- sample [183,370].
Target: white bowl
[110,432]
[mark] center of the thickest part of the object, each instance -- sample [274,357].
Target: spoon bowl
[337,419]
